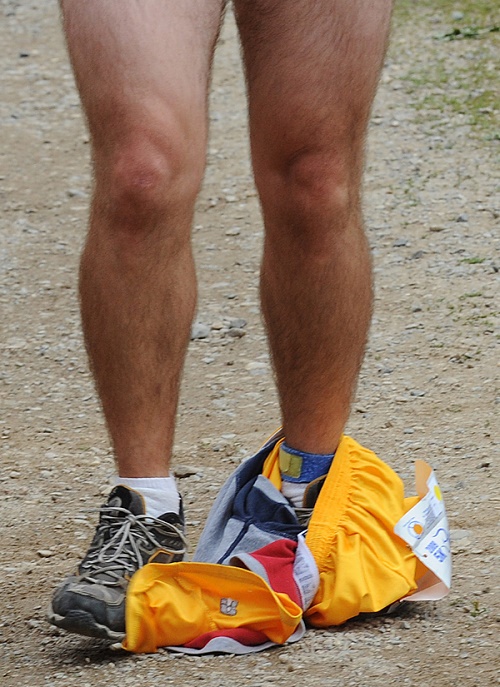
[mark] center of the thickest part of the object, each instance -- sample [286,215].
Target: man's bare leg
[142,69]
[312,70]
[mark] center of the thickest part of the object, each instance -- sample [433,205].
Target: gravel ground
[428,389]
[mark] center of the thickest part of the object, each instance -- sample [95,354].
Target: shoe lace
[124,536]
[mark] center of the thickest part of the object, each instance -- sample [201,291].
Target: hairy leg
[142,69]
[312,70]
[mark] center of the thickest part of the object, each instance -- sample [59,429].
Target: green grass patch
[473,261]
[474,294]
[474,12]
[454,80]
[467,32]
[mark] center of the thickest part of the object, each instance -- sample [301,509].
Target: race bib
[425,529]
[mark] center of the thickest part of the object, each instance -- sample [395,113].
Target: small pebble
[182,471]
[199,331]
[237,323]
[256,366]
[236,333]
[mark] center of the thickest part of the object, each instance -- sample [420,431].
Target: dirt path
[429,387]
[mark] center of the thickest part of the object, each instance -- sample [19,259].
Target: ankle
[298,469]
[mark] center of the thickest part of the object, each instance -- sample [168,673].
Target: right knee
[147,177]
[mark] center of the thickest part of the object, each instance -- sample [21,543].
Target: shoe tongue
[312,492]
[123,497]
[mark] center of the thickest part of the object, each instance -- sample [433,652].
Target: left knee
[314,193]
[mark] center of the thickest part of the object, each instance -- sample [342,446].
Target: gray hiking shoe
[92,603]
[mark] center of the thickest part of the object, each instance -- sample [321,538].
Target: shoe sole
[392,609]
[82,623]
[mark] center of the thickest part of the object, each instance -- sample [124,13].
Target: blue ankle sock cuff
[300,466]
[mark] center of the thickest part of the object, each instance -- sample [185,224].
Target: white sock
[160,493]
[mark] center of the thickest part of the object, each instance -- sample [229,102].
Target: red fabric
[239,634]
[278,559]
